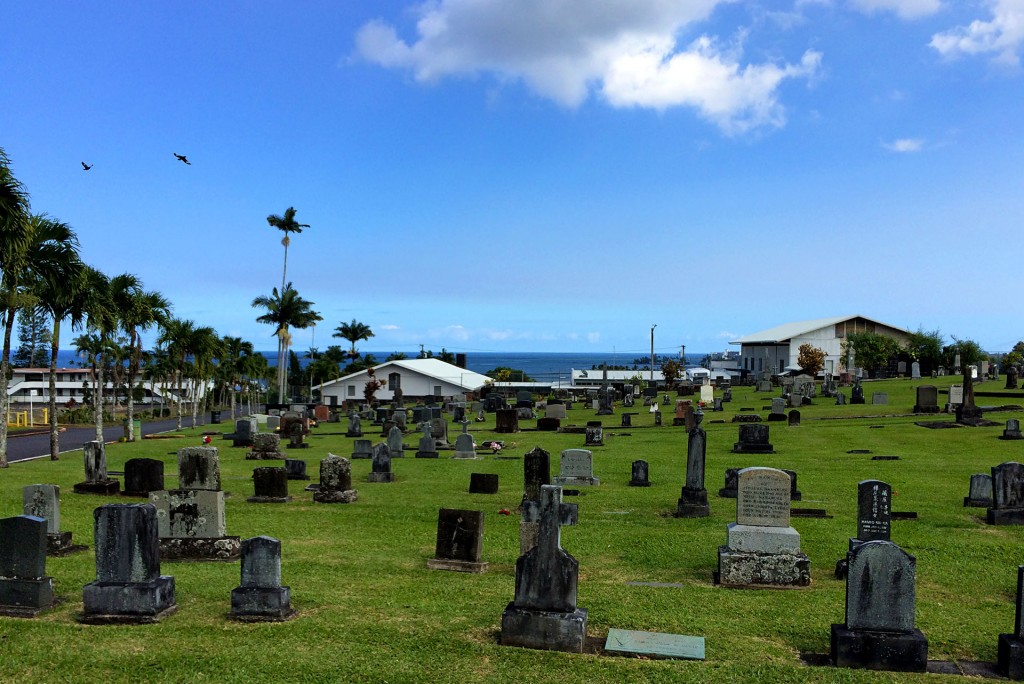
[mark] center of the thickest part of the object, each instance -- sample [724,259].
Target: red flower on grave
[505,511]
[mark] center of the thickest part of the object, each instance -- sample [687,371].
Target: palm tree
[353,332]
[285,310]
[178,336]
[137,311]
[101,321]
[32,249]
[232,366]
[288,224]
[206,346]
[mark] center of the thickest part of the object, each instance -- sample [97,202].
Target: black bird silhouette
[183,158]
[87,166]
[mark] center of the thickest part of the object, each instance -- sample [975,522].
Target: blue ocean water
[543,366]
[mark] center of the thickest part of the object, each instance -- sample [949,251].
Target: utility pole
[652,352]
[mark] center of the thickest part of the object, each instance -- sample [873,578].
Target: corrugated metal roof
[788,331]
[434,368]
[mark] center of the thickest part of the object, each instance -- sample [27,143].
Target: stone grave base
[240,442]
[543,629]
[266,456]
[752,569]
[456,565]
[466,455]
[763,540]
[346,496]
[639,483]
[269,499]
[926,409]
[128,602]
[22,597]
[380,477]
[776,417]
[1006,516]
[426,454]
[693,503]
[59,544]
[676,422]
[895,651]
[200,549]
[108,487]
[354,434]
[366,455]
[576,481]
[1010,660]
[856,400]
[261,604]
[977,503]
[725,493]
[741,448]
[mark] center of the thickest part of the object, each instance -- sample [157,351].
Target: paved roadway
[23,448]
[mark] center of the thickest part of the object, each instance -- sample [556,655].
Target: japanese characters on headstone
[260,597]
[543,613]
[43,501]
[460,541]
[879,632]
[128,586]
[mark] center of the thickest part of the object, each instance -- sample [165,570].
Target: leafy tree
[287,224]
[362,363]
[396,356]
[1014,356]
[506,374]
[33,338]
[969,350]
[810,359]
[671,370]
[871,350]
[353,332]
[926,347]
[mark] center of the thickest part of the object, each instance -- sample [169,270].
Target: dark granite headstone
[270,485]
[1007,495]
[794,418]
[1012,430]
[594,436]
[460,539]
[260,597]
[25,590]
[640,474]
[979,495]
[362,448]
[874,499]
[483,483]
[142,476]
[794,490]
[693,498]
[879,632]
[506,421]
[927,399]
[381,467]
[1010,659]
[296,469]
[549,424]
[729,490]
[753,439]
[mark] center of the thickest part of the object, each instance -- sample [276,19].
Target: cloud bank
[1001,36]
[627,53]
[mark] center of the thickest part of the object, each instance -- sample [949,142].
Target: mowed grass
[371,611]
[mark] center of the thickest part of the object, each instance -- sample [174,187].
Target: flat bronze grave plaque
[655,644]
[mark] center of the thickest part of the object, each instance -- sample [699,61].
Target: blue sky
[537,175]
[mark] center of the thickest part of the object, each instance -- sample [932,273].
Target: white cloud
[726,335]
[389,326]
[904,145]
[565,51]
[905,9]
[1001,36]
[593,337]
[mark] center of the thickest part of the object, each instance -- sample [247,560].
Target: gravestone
[355,425]
[381,466]
[857,392]
[762,549]
[1007,495]
[979,494]
[459,412]
[129,586]
[460,541]
[295,468]
[901,368]
[764,386]
[395,444]
[464,446]
[1010,658]
[605,401]
[25,588]
[794,490]
[321,413]
[576,469]
[639,475]
[794,418]
[536,474]
[400,418]
[1011,377]
[273,423]
[1012,430]
[753,439]
[627,419]
[680,415]
[927,399]
[727,395]
[915,371]
[840,399]
[259,597]
[548,424]
[874,515]
[142,476]
[506,421]
[730,489]
[335,481]
[693,498]
[362,448]
[270,485]
[439,431]
[593,436]
[297,429]
[43,501]
[879,632]
[524,413]
[956,397]
[483,483]
[690,418]
[245,428]
[96,479]
[880,398]
[657,418]
[524,399]
[555,411]
[192,526]
[199,468]
[265,446]
[707,394]
[427,445]
[543,613]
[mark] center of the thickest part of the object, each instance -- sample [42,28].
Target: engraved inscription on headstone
[763,497]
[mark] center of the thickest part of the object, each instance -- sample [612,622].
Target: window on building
[437,390]
[351,390]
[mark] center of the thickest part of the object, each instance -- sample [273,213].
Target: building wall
[413,385]
[752,357]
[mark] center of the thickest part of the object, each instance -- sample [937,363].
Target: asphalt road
[22,448]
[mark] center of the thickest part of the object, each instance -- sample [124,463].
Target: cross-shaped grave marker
[546,575]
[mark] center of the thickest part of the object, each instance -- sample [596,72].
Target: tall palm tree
[288,224]
[178,337]
[137,310]
[353,332]
[101,322]
[285,310]
[232,366]
[33,248]
[206,346]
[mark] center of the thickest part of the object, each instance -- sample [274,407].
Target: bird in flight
[182,158]
[87,166]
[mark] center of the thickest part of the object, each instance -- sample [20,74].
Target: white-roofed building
[418,378]
[778,348]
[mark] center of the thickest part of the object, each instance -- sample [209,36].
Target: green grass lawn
[370,610]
